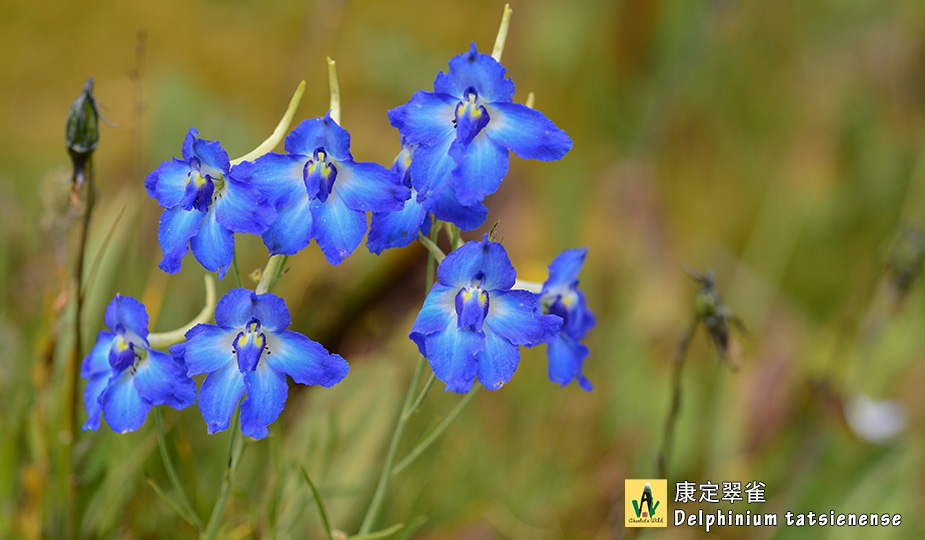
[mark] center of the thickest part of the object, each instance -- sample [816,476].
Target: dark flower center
[471,116]
[472,304]
[249,346]
[319,175]
[202,185]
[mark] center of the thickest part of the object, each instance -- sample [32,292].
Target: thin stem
[279,271]
[432,248]
[278,133]
[273,268]
[234,459]
[173,506]
[436,433]
[234,268]
[162,340]
[335,91]
[378,535]
[675,409]
[420,399]
[318,503]
[188,510]
[398,435]
[73,366]
[502,33]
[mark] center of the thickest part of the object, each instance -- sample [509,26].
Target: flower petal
[92,394]
[241,208]
[564,269]
[123,407]
[278,177]
[438,312]
[427,118]
[369,187]
[219,395]
[239,306]
[513,315]
[498,361]
[314,133]
[306,361]
[167,183]
[176,228]
[446,207]
[398,229]
[525,131]
[566,357]
[292,230]
[432,169]
[98,359]
[488,258]
[162,380]
[266,396]
[213,246]
[208,348]
[480,167]
[452,355]
[129,314]
[210,153]
[337,229]
[475,70]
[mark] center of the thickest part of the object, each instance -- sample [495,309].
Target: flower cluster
[456,142]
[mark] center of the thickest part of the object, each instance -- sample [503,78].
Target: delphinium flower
[206,202]
[126,378]
[561,297]
[250,350]
[398,229]
[465,129]
[472,322]
[321,192]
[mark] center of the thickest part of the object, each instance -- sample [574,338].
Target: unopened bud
[82,132]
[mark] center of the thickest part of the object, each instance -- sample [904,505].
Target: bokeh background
[779,144]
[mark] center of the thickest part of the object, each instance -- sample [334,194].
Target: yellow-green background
[777,143]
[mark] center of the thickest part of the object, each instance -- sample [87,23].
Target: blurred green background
[778,143]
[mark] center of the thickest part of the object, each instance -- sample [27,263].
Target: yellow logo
[646,503]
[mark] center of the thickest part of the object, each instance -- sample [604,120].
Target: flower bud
[82,132]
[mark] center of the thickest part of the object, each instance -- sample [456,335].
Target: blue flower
[472,321]
[125,377]
[398,229]
[321,192]
[206,202]
[466,128]
[249,350]
[561,297]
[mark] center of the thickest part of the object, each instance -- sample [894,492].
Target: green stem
[188,510]
[432,248]
[234,267]
[173,506]
[502,33]
[436,433]
[318,503]
[234,459]
[420,399]
[675,409]
[375,505]
[73,366]
[273,268]
[335,91]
